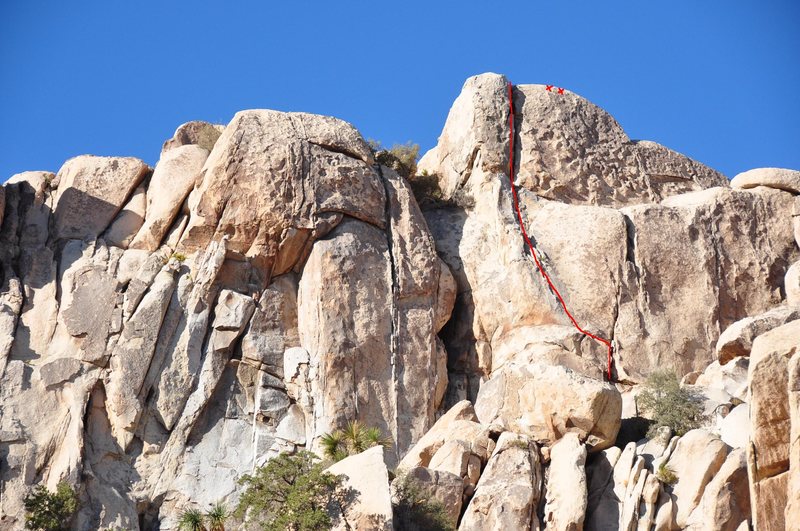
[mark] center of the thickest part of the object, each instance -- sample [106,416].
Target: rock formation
[165,330]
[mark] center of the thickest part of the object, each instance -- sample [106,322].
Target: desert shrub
[50,511]
[402,158]
[191,520]
[291,492]
[669,404]
[216,517]
[354,439]
[666,474]
[414,510]
[425,188]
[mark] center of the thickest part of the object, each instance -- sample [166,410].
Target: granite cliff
[165,330]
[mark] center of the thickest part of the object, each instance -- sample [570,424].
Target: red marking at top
[606,342]
[548,87]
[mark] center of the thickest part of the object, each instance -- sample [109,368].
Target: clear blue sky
[718,80]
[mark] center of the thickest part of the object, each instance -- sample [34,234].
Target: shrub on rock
[50,511]
[290,492]
[670,404]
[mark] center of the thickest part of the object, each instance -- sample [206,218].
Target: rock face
[566,485]
[152,315]
[510,488]
[772,395]
[165,331]
[660,267]
[780,178]
[365,475]
[546,402]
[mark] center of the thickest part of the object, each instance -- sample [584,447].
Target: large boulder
[691,275]
[443,487]
[725,501]
[510,488]
[199,133]
[552,127]
[737,339]
[546,402]
[565,491]
[173,178]
[662,272]
[367,479]
[91,191]
[696,460]
[294,175]
[780,178]
[769,398]
[459,421]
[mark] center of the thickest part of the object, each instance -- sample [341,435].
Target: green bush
[402,158]
[666,474]
[291,492]
[354,439]
[217,516]
[669,404]
[192,520]
[50,511]
[414,510]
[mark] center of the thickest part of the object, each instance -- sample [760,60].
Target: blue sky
[718,80]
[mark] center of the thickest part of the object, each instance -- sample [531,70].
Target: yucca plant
[333,445]
[353,439]
[191,520]
[216,517]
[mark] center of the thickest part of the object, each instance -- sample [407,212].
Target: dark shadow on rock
[632,429]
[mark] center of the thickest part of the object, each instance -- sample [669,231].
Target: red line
[606,342]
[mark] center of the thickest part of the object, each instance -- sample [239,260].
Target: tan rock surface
[737,339]
[367,475]
[456,422]
[96,185]
[173,178]
[292,170]
[793,482]
[509,490]
[791,283]
[725,502]
[128,221]
[769,399]
[696,460]
[199,133]
[780,178]
[546,402]
[565,488]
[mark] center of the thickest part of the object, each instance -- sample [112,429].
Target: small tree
[670,404]
[291,492]
[354,439]
[48,511]
[414,510]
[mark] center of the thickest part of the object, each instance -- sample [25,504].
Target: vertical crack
[395,324]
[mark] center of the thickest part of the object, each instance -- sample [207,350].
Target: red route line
[606,342]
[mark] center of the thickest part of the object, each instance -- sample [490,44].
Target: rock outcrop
[150,314]
[642,242]
[166,330]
